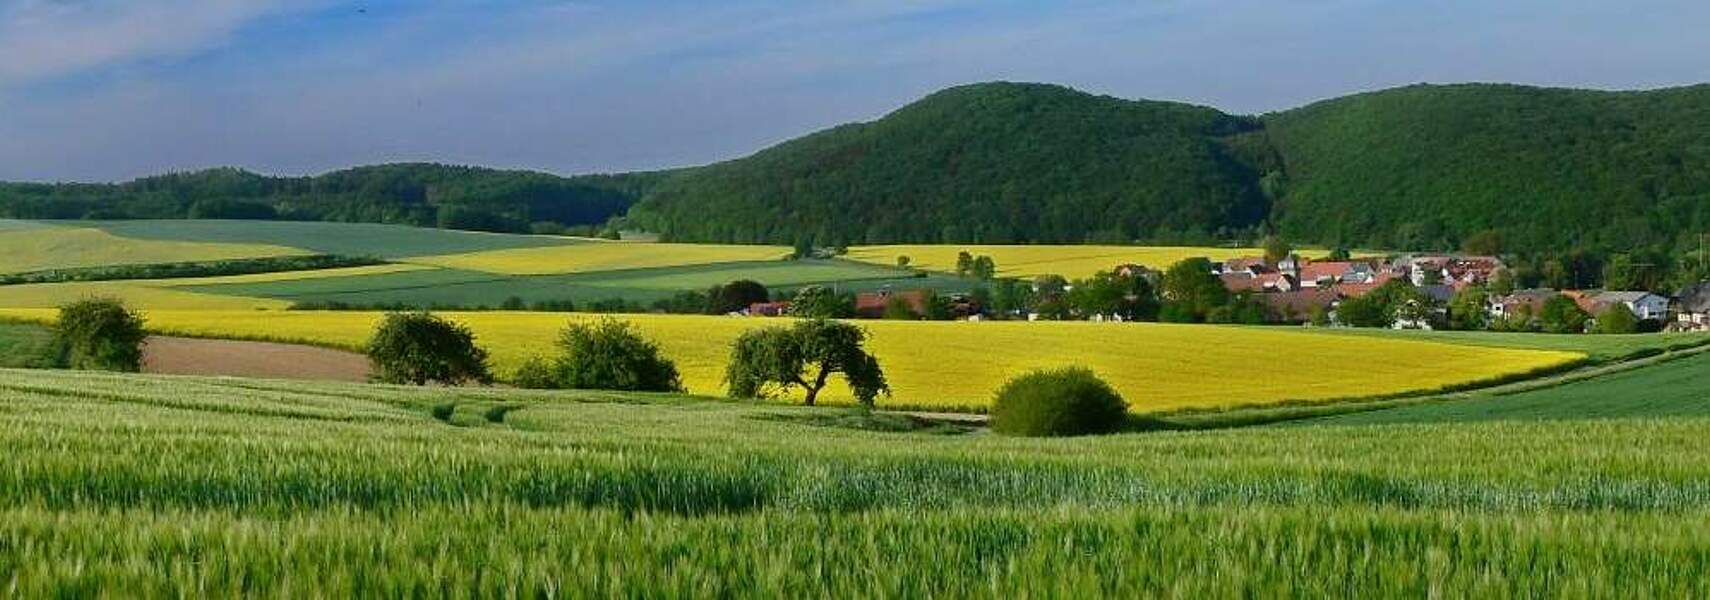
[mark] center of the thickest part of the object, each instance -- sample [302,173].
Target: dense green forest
[1564,179]
[989,163]
[428,195]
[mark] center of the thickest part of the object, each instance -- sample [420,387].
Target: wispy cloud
[42,39]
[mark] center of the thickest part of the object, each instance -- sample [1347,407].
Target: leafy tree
[1617,319]
[1242,309]
[964,263]
[1320,317]
[938,307]
[1620,274]
[1276,249]
[1560,314]
[820,302]
[419,348]
[609,354]
[735,296]
[1111,293]
[1468,309]
[1340,253]
[1009,296]
[774,360]
[903,261]
[1190,290]
[1049,285]
[100,334]
[983,268]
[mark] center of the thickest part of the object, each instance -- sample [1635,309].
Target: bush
[1055,402]
[419,348]
[610,355]
[1617,319]
[536,374]
[100,334]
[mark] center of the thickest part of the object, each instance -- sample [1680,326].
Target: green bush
[536,374]
[100,334]
[419,348]
[1617,319]
[610,355]
[1055,402]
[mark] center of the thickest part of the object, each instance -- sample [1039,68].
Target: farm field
[958,365]
[594,256]
[1071,261]
[1678,388]
[347,239]
[34,248]
[172,486]
[149,294]
[25,345]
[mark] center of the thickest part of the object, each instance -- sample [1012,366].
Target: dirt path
[188,356]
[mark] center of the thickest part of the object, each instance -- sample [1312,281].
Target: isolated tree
[903,261]
[1560,314]
[609,354]
[1276,249]
[1617,319]
[770,361]
[820,302]
[100,334]
[419,348]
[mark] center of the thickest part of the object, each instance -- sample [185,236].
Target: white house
[1644,305]
[1692,307]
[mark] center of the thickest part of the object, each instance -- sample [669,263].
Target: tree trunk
[818,384]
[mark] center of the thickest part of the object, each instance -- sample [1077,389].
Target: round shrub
[536,373]
[100,334]
[611,355]
[1053,402]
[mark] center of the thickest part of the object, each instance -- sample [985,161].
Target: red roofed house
[769,309]
[1297,306]
[1263,282]
[871,305]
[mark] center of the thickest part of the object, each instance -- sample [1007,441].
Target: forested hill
[997,162]
[1550,169]
[1421,168]
[427,195]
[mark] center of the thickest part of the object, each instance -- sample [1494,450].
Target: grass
[1671,389]
[958,365]
[177,486]
[42,248]
[25,345]
[1071,261]
[344,239]
[594,256]
[1597,347]
[153,294]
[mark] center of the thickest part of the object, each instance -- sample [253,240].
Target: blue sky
[99,90]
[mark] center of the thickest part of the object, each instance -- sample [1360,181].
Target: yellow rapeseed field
[958,365]
[591,256]
[72,247]
[1071,261]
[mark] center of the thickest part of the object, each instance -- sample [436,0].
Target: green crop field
[1678,388]
[349,239]
[173,486]
[24,345]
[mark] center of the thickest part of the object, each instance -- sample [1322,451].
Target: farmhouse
[1298,306]
[1692,308]
[1530,302]
[1262,282]
[1645,305]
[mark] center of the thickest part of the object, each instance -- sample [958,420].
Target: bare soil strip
[233,358]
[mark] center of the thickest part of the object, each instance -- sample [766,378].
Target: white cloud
[42,39]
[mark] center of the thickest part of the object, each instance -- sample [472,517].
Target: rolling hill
[1423,167]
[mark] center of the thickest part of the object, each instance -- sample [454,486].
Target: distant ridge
[1423,167]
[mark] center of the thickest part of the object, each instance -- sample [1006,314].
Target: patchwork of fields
[243,487]
[1071,261]
[958,365]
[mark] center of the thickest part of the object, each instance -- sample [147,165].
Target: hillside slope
[1427,166]
[994,163]
[412,194]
